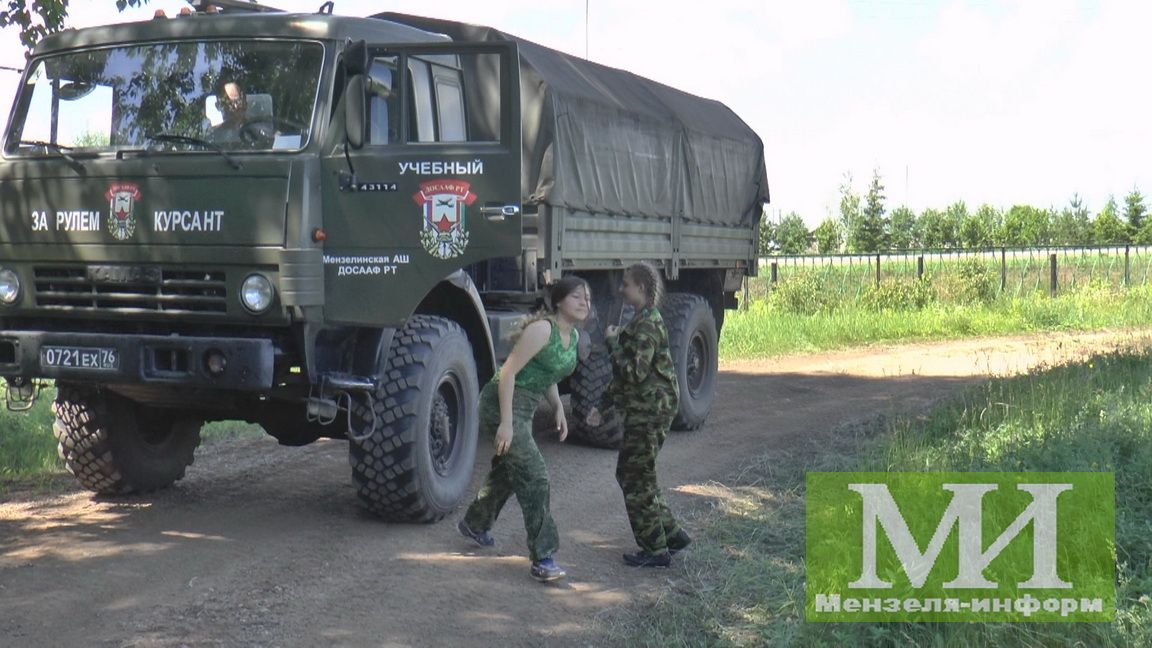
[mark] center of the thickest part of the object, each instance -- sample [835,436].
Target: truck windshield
[237,95]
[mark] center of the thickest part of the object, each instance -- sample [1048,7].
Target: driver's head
[231,101]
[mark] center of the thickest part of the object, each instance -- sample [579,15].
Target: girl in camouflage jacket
[644,391]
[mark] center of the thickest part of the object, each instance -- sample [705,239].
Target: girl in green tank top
[544,354]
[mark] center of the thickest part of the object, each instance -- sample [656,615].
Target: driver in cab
[236,128]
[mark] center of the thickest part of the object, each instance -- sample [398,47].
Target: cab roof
[238,25]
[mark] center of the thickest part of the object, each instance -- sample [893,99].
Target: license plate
[69,357]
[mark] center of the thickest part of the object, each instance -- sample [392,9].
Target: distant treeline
[865,225]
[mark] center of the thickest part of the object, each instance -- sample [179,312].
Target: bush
[972,282]
[804,294]
[900,295]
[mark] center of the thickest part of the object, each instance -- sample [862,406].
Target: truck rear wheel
[412,460]
[115,446]
[589,384]
[693,340]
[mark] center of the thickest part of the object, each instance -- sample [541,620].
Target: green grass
[743,582]
[28,448]
[771,326]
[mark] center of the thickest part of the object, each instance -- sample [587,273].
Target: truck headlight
[9,286]
[256,293]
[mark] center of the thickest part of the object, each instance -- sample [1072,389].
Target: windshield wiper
[58,149]
[195,141]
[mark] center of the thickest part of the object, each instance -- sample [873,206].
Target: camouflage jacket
[642,369]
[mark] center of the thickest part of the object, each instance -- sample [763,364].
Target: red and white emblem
[445,203]
[122,197]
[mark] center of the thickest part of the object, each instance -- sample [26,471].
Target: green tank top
[551,365]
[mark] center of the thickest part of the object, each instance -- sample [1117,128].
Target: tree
[903,232]
[937,230]
[1134,210]
[828,237]
[1072,225]
[1108,229]
[849,207]
[978,229]
[767,241]
[792,234]
[1144,234]
[1026,225]
[869,233]
[44,17]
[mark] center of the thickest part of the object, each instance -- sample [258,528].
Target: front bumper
[142,359]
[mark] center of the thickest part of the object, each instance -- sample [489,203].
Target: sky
[1000,102]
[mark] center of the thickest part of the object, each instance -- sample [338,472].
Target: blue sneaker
[482,538]
[547,570]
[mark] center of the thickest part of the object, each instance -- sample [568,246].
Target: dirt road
[265,546]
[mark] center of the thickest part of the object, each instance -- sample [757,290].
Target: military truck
[329,226]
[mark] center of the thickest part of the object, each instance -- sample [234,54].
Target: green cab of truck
[329,226]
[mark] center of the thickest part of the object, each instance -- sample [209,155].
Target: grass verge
[766,329]
[743,582]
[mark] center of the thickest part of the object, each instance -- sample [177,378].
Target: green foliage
[90,139]
[1108,229]
[903,230]
[820,308]
[1026,225]
[849,208]
[765,245]
[978,229]
[42,17]
[869,231]
[27,447]
[972,282]
[828,237]
[792,235]
[1134,210]
[937,229]
[899,295]
[805,294]
[742,584]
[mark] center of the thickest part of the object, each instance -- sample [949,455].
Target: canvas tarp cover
[607,141]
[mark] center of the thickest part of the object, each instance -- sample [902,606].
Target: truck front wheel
[115,446]
[412,457]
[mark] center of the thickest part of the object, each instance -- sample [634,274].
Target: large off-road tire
[589,385]
[413,460]
[693,339]
[115,446]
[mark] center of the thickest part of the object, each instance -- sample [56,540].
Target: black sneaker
[645,559]
[482,538]
[678,542]
[547,570]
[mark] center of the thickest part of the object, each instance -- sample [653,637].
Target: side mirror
[355,58]
[355,103]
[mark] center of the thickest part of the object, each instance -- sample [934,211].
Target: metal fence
[1019,270]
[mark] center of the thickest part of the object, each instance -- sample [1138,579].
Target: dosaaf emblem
[443,232]
[122,197]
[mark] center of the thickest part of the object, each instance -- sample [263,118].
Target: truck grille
[129,289]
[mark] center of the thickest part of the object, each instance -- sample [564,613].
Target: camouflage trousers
[520,472]
[652,521]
